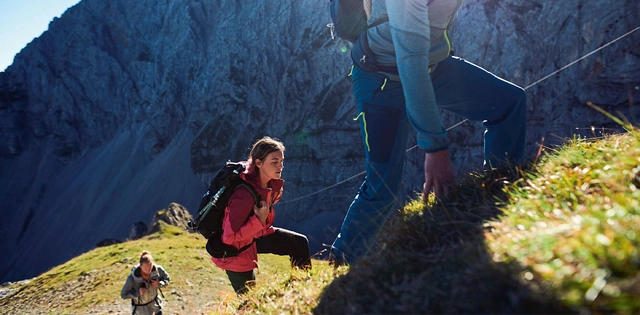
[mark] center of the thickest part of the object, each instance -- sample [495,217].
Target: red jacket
[239,233]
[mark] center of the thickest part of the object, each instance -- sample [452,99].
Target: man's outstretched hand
[438,174]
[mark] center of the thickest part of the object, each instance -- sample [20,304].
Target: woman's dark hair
[264,147]
[146,257]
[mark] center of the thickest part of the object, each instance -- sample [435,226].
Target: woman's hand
[155,283]
[262,212]
[143,291]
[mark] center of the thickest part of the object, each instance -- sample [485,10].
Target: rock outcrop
[174,214]
[123,107]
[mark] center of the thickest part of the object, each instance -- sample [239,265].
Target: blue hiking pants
[460,87]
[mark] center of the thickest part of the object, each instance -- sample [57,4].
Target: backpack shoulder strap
[249,187]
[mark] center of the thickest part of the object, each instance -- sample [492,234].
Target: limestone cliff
[123,107]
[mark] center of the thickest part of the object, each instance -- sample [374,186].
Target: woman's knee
[301,241]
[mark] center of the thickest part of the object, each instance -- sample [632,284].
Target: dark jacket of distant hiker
[151,301]
[240,231]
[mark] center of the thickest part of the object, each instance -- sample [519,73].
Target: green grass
[93,281]
[574,222]
[559,236]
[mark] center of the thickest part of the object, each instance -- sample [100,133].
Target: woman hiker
[143,285]
[263,171]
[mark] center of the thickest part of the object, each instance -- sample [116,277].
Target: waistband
[365,58]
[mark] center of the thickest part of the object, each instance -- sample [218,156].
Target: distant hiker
[403,73]
[241,227]
[143,286]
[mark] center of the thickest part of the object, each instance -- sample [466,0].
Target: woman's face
[271,167]
[146,268]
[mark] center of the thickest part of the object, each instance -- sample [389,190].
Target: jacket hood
[136,272]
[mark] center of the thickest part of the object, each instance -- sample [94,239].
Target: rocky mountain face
[123,107]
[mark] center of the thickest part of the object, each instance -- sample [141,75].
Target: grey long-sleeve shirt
[414,39]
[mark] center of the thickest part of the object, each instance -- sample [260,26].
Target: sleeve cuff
[433,142]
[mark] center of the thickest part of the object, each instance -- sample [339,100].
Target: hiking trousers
[280,242]
[460,87]
[285,242]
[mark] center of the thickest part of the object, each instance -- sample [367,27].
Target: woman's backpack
[208,221]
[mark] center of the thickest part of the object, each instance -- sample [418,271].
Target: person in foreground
[263,171]
[403,74]
[143,285]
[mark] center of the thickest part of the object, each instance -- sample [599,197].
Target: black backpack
[349,19]
[208,221]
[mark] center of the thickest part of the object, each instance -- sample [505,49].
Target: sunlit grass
[94,279]
[574,222]
[284,291]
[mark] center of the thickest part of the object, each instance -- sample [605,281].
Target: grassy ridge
[94,279]
[559,237]
[91,282]
[574,224]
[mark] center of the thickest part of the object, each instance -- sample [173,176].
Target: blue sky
[23,20]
